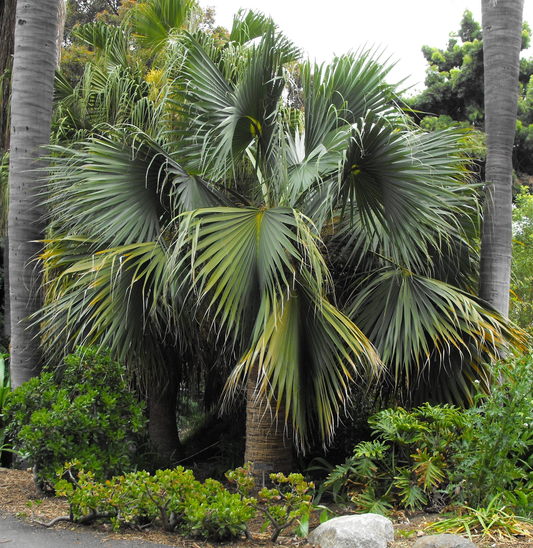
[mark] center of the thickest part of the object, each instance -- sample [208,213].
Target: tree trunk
[31,113]
[502,39]
[61,17]
[162,402]
[7,309]
[7,41]
[268,438]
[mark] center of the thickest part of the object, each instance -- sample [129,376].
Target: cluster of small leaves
[174,497]
[288,502]
[134,498]
[84,411]
[406,465]
[216,513]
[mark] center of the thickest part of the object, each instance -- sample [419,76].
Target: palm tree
[502,40]
[31,111]
[114,91]
[305,239]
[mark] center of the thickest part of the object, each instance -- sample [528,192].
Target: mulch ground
[18,496]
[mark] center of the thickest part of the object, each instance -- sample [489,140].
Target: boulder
[361,531]
[443,541]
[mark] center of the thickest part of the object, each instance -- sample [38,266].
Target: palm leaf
[339,94]
[154,20]
[110,42]
[229,117]
[308,354]
[240,254]
[248,25]
[415,321]
[109,298]
[121,189]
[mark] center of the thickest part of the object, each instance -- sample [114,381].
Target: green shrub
[132,499]
[433,455]
[494,452]
[173,496]
[289,502]
[407,464]
[5,389]
[216,513]
[85,412]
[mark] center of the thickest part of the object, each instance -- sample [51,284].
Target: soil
[18,496]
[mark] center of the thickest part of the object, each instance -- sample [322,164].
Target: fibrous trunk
[268,436]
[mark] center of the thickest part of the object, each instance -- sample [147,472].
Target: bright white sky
[399,27]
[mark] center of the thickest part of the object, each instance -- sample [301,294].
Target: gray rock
[443,541]
[361,531]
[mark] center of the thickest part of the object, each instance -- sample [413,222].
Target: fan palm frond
[308,355]
[225,117]
[248,25]
[341,93]
[415,321]
[108,298]
[154,20]
[108,41]
[121,189]
[238,255]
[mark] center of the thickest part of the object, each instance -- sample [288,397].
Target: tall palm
[274,227]
[115,92]
[502,40]
[31,111]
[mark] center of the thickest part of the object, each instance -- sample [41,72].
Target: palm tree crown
[323,245]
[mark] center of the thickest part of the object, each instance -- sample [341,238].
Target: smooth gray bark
[502,39]
[31,113]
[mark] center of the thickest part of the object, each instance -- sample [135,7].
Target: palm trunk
[502,39]
[268,438]
[61,17]
[162,426]
[7,313]
[31,113]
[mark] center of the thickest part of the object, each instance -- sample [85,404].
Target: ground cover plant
[181,503]
[289,501]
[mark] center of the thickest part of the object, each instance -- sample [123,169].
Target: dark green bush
[86,411]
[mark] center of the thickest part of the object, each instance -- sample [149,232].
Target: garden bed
[18,496]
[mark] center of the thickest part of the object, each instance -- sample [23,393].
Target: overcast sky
[399,27]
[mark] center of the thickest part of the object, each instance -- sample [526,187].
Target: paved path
[17,533]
